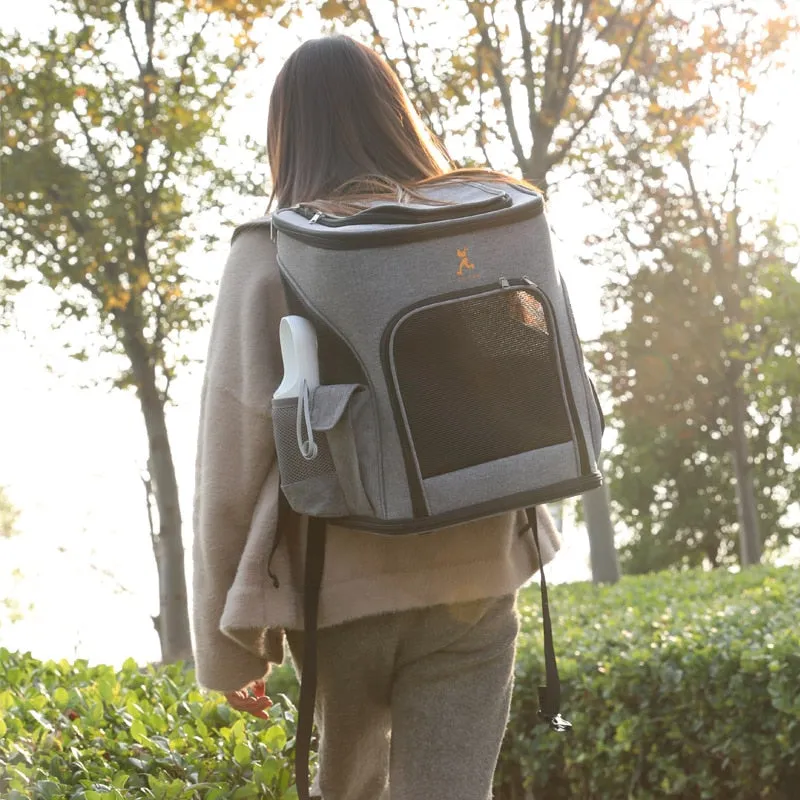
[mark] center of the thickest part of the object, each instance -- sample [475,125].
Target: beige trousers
[413,705]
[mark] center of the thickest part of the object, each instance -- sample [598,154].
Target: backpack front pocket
[478,379]
[321,439]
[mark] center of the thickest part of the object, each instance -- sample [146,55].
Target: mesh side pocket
[293,466]
[331,484]
[310,485]
[478,380]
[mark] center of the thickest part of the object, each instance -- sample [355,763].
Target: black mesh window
[478,380]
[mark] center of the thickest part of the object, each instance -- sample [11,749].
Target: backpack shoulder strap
[315,564]
[550,693]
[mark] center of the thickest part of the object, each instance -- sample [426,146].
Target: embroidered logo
[465,263]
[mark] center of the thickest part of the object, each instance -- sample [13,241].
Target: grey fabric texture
[414,704]
[354,449]
[359,292]
[592,415]
[320,496]
[328,404]
[550,465]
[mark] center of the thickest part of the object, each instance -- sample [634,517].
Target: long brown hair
[342,129]
[338,113]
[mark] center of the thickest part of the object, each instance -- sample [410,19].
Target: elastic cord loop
[308,448]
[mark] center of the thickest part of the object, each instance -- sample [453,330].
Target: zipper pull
[271,229]
[504,284]
[315,218]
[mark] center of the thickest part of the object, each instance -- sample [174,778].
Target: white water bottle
[299,353]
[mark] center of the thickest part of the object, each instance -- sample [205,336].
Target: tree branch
[150,33]
[502,82]
[423,94]
[82,233]
[158,180]
[123,12]
[102,165]
[183,62]
[602,97]
[379,40]
[481,112]
[575,37]
[169,158]
[569,64]
[527,60]
[699,209]
[559,11]
[610,23]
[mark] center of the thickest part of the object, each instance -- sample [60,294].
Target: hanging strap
[550,693]
[315,563]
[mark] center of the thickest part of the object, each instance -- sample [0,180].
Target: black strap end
[559,724]
[548,711]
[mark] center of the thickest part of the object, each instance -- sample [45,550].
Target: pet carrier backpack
[451,378]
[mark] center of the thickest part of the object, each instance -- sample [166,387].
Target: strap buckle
[557,723]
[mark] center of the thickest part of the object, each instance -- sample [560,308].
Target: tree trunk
[749,536]
[173,616]
[172,621]
[602,553]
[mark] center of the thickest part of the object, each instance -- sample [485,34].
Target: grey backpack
[452,381]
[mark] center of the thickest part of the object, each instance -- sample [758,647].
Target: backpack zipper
[338,237]
[396,214]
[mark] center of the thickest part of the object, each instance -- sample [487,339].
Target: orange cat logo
[465,263]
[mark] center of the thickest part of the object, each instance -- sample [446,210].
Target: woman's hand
[251,699]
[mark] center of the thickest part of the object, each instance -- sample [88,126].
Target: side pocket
[342,414]
[329,484]
[597,422]
[310,485]
[600,416]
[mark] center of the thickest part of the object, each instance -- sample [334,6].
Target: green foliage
[696,371]
[670,370]
[70,731]
[282,680]
[683,686]
[112,148]
[8,516]
[679,685]
[774,379]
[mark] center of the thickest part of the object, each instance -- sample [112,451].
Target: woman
[417,634]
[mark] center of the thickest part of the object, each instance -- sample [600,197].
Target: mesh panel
[293,467]
[478,380]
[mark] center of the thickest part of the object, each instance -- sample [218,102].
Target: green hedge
[680,686]
[73,732]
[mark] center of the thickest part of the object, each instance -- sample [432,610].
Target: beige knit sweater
[239,613]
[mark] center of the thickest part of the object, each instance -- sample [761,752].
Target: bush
[678,685]
[73,732]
